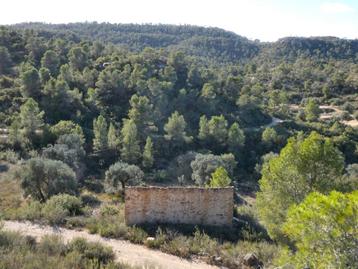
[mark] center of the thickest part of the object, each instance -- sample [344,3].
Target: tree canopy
[324,231]
[219,178]
[121,174]
[43,178]
[303,166]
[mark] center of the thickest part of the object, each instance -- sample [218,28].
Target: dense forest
[96,107]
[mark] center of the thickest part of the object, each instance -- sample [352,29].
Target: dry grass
[103,197]
[10,189]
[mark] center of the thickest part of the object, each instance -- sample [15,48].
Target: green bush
[90,200]
[232,254]
[71,204]
[355,115]
[202,244]
[91,250]
[179,246]
[32,211]
[109,210]
[19,252]
[76,222]
[110,223]
[113,229]
[58,207]
[250,227]
[11,240]
[136,235]
[52,245]
[159,239]
[54,213]
[9,156]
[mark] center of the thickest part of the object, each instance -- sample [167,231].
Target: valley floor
[125,252]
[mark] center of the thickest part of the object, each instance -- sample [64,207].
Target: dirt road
[335,112]
[125,252]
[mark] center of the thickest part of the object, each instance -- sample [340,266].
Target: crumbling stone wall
[188,205]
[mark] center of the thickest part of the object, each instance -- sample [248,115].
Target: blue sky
[266,20]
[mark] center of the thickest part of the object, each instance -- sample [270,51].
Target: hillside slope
[207,42]
[211,43]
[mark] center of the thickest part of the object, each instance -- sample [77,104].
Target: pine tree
[141,112]
[130,150]
[31,118]
[5,61]
[269,136]
[100,140]
[312,110]
[175,128]
[236,136]
[218,128]
[30,83]
[204,131]
[51,61]
[303,166]
[112,137]
[220,178]
[15,136]
[148,159]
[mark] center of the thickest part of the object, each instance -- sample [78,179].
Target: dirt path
[336,112]
[125,252]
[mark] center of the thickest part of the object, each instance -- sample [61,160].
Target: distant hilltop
[209,43]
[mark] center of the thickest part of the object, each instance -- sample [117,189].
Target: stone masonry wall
[188,205]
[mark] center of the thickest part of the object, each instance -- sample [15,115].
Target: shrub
[233,255]
[9,156]
[68,202]
[355,115]
[113,229]
[58,207]
[11,240]
[180,166]
[205,164]
[202,244]
[32,211]
[18,252]
[52,245]
[54,214]
[160,238]
[90,200]
[250,227]
[110,223]
[76,222]
[109,210]
[67,127]
[179,246]
[344,116]
[91,250]
[136,235]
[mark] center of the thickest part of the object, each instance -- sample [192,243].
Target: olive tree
[121,174]
[205,164]
[42,178]
[69,150]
